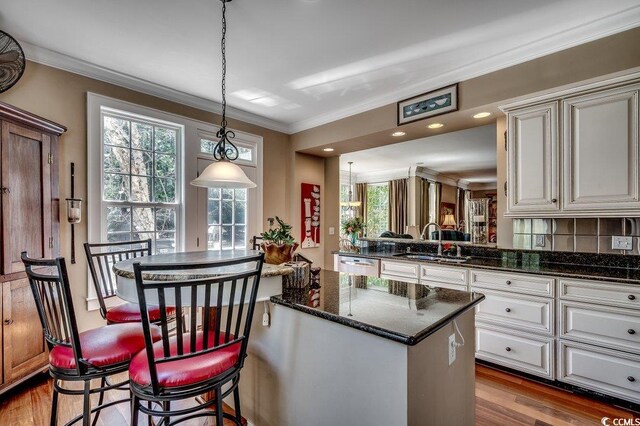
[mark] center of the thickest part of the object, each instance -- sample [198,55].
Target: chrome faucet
[424,234]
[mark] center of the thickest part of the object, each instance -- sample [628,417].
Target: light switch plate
[452,349]
[332,230]
[621,243]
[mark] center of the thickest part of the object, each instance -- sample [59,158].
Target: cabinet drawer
[612,372]
[528,313]
[441,274]
[522,352]
[394,270]
[518,283]
[624,295]
[615,327]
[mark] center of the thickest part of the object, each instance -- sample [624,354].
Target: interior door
[26,195]
[226,217]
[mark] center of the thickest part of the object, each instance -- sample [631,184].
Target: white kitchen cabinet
[533,159]
[441,276]
[527,313]
[534,285]
[600,150]
[401,271]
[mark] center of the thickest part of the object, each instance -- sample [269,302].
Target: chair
[101,257]
[211,354]
[74,356]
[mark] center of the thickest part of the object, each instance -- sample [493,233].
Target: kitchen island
[362,351]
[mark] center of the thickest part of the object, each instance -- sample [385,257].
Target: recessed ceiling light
[482,115]
[398,134]
[328,149]
[435,125]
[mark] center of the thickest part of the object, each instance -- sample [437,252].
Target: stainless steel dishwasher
[358,265]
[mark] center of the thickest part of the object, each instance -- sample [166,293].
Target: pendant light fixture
[223,173]
[350,204]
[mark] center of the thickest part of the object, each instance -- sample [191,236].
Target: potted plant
[278,243]
[353,227]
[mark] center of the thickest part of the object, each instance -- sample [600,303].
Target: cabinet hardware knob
[508,282]
[508,349]
[554,200]
[631,297]
[631,331]
[5,190]
[8,321]
[631,379]
[508,310]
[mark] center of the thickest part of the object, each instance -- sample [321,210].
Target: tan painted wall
[61,96]
[331,208]
[449,194]
[310,169]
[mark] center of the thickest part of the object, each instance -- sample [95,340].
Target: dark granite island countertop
[399,311]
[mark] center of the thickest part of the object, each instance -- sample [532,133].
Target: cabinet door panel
[601,151]
[24,347]
[26,201]
[533,184]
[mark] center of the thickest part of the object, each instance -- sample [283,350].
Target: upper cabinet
[575,153]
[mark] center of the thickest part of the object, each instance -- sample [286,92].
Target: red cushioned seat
[104,346]
[186,371]
[130,312]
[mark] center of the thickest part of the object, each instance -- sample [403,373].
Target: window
[377,208]
[226,219]
[140,181]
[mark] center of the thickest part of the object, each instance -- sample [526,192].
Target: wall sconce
[74,212]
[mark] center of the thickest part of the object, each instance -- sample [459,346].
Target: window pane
[115,188]
[245,153]
[165,165]
[165,219]
[377,209]
[227,212]
[241,194]
[118,237]
[240,237]
[143,219]
[227,194]
[213,212]
[118,219]
[165,242]
[165,190]
[240,212]
[141,135]
[214,193]
[165,140]
[116,131]
[115,159]
[207,145]
[227,235]
[141,162]
[213,238]
[141,189]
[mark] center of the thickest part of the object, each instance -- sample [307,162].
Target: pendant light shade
[223,174]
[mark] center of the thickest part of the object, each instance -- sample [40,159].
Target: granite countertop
[399,311]
[528,265]
[125,268]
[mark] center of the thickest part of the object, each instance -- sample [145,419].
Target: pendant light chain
[224,150]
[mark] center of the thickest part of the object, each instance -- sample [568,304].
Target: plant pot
[276,254]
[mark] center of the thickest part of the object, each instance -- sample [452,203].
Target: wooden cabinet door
[26,195]
[532,166]
[24,348]
[600,150]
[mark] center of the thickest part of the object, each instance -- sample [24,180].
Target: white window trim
[187,159]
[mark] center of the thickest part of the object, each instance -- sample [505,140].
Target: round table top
[124,269]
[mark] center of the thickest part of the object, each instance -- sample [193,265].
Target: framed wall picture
[428,104]
[310,215]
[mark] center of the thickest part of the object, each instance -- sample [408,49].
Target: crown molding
[381,176]
[64,62]
[572,37]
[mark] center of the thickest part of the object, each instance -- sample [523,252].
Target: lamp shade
[449,220]
[223,174]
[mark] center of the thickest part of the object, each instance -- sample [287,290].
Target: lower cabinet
[24,350]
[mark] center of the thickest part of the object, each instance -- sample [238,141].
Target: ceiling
[467,154]
[295,64]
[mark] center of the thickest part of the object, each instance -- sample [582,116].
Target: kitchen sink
[432,257]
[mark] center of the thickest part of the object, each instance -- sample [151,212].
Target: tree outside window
[377,209]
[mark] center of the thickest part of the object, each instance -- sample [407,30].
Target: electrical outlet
[539,240]
[621,243]
[265,319]
[332,230]
[452,349]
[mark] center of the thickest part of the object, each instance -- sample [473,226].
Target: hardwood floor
[501,399]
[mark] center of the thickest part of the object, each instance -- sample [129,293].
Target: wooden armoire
[30,219]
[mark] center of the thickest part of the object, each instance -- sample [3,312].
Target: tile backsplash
[584,235]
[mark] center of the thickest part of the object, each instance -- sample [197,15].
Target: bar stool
[74,356]
[207,357]
[101,257]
